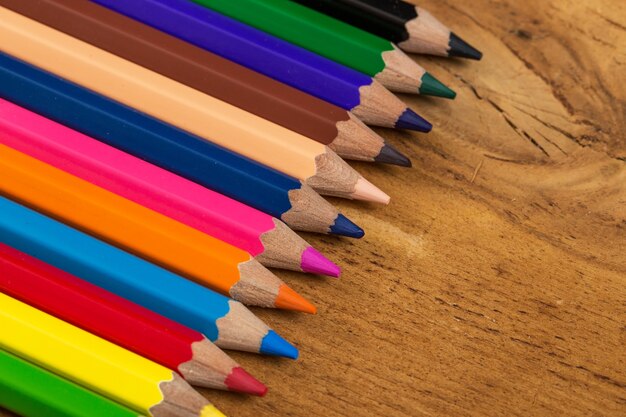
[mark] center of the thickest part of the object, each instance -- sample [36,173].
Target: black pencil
[412,28]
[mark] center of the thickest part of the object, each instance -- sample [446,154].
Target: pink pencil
[268,239]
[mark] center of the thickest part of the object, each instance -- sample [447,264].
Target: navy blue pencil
[275,58]
[170,148]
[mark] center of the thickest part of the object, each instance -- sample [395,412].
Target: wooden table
[494,284]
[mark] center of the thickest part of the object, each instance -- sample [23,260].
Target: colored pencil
[269,240]
[119,321]
[146,233]
[336,40]
[226,322]
[213,75]
[97,364]
[412,28]
[171,148]
[185,107]
[31,391]
[278,59]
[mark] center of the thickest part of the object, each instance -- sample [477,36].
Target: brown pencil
[214,75]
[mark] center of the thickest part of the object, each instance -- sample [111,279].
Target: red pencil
[124,323]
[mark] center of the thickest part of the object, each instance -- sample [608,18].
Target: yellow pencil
[97,364]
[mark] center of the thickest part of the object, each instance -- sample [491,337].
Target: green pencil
[31,391]
[335,40]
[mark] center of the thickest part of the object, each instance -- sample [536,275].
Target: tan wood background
[494,284]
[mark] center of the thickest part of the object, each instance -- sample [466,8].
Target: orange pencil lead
[288,299]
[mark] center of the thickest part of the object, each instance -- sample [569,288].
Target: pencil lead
[390,155]
[460,48]
[274,345]
[433,87]
[344,227]
[288,299]
[240,381]
[366,191]
[413,121]
[211,411]
[316,263]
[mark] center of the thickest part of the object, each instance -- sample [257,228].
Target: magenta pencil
[268,239]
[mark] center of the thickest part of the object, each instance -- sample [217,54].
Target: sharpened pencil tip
[240,381]
[345,227]
[462,49]
[274,345]
[315,263]
[211,411]
[433,87]
[366,191]
[288,299]
[390,155]
[413,121]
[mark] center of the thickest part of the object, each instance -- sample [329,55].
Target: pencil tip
[274,345]
[315,263]
[240,381]
[211,411]
[288,299]
[366,191]
[460,48]
[344,227]
[433,87]
[413,121]
[390,155]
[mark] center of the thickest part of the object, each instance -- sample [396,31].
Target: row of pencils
[156,157]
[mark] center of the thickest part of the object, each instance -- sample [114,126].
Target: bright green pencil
[335,40]
[31,391]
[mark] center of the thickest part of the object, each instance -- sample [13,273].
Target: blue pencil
[275,58]
[171,148]
[228,323]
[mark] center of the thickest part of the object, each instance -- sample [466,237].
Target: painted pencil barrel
[170,148]
[331,38]
[155,188]
[122,322]
[31,391]
[309,29]
[135,133]
[149,234]
[138,281]
[250,47]
[96,364]
[212,119]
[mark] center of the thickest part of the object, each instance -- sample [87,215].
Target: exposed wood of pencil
[179,399]
[334,177]
[309,211]
[427,35]
[356,141]
[401,73]
[278,240]
[379,106]
[208,366]
[240,329]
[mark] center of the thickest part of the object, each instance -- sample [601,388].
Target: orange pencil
[146,233]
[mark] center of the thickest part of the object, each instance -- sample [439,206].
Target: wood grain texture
[494,284]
